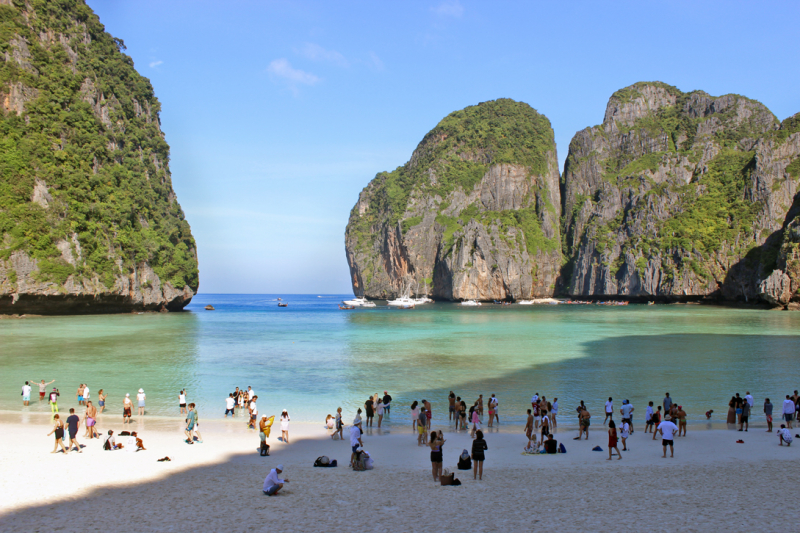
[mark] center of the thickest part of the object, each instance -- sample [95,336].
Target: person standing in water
[369,409]
[387,403]
[554,413]
[54,400]
[380,410]
[140,397]
[42,388]
[26,394]
[182,401]
[127,409]
[609,410]
[452,407]
[101,400]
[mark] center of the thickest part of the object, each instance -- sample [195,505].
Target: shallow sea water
[311,357]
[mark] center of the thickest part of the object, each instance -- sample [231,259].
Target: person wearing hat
[140,397]
[272,483]
[355,438]
[127,407]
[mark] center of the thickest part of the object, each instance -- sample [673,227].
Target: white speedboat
[359,302]
[423,300]
[470,303]
[525,302]
[404,302]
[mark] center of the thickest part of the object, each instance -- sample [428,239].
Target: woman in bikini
[612,440]
[436,443]
[58,429]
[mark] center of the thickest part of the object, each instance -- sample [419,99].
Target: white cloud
[154,64]
[375,61]
[315,52]
[281,68]
[449,8]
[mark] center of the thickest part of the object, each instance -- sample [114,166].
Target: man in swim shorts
[26,394]
[42,388]
[73,422]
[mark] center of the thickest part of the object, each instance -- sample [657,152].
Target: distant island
[675,196]
[89,221]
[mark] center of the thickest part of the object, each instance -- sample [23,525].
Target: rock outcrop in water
[473,214]
[675,196]
[680,196]
[89,221]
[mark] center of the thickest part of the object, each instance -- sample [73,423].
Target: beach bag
[562,448]
[322,461]
[264,451]
[106,445]
[447,479]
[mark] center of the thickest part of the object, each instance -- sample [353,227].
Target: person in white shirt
[609,410]
[554,413]
[253,413]
[785,435]
[26,394]
[625,432]
[272,483]
[788,410]
[667,430]
[749,399]
[230,403]
[141,396]
[535,399]
[627,413]
[648,418]
[85,394]
[182,401]
[250,393]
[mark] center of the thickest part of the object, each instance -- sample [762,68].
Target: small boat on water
[540,301]
[280,304]
[404,302]
[209,307]
[346,307]
[470,303]
[359,302]
[423,300]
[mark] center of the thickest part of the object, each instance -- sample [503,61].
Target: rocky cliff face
[680,195]
[473,214]
[89,221]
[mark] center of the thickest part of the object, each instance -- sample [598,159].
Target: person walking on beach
[554,413]
[191,419]
[369,408]
[197,423]
[788,411]
[140,397]
[26,394]
[42,388]
[53,400]
[387,404]
[584,421]
[452,407]
[625,432]
[73,423]
[253,408]
[609,410]
[101,400]
[58,429]
[339,427]
[272,483]
[379,411]
[182,401]
[768,414]
[667,430]
[127,408]
[285,426]
[648,418]
[479,448]
[612,440]
[90,419]
[436,443]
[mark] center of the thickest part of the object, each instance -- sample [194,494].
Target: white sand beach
[713,483]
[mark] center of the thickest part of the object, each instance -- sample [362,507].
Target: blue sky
[279,113]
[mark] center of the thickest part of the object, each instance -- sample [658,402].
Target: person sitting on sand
[135,443]
[551,444]
[357,460]
[612,440]
[272,483]
[110,443]
[785,435]
[329,422]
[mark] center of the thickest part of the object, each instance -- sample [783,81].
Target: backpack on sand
[264,451]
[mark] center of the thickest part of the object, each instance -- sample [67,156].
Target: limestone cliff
[680,196]
[473,214]
[89,221]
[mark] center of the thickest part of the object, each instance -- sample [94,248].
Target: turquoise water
[312,357]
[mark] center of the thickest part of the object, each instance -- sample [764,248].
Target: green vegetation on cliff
[88,137]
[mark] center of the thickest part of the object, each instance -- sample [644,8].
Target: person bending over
[272,483]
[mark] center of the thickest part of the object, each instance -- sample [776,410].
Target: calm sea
[311,357]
